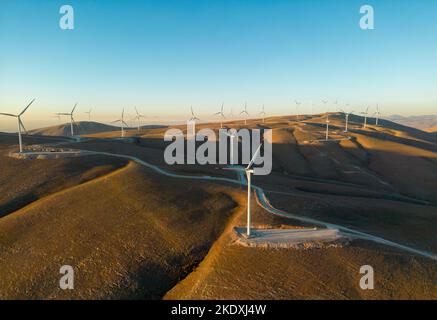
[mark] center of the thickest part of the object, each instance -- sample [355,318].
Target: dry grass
[136,241]
[131,233]
[236,272]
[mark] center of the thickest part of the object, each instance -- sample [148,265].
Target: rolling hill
[418,122]
[133,232]
[82,127]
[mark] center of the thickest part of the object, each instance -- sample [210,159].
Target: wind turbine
[193,120]
[245,112]
[263,113]
[138,118]
[327,126]
[89,114]
[377,113]
[249,172]
[365,113]
[232,134]
[122,123]
[20,123]
[71,118]
[346,115]
[297,108]
[221,114]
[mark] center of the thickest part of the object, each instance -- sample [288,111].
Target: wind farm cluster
[101,196]
[244,115]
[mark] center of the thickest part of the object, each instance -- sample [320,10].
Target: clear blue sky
[163,56]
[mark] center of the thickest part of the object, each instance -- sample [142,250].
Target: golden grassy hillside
[234,272]
[132,233]
[129,234]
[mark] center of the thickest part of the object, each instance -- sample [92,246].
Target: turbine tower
[221,114]
[193,119]
[71,118]
[232,134]
[138,118]
[249,171]
[297,109]
[245,112]
[89,114]
[365,113]
[20,123]
[122,123]
[263,113]
[346,115]
[327,127]
[377,113]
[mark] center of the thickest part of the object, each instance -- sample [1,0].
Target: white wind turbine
[20,123]
[71,118]
[377,114]
[221,114]
[89,114]
[193,120]
[263,113]
[245,112]
[138,118]
[122,123]
[297,108]
[346,115]
[327,127]
[249,172]
[365,113]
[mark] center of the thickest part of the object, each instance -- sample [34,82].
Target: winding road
[263,202]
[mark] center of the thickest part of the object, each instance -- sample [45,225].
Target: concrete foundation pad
[291,238]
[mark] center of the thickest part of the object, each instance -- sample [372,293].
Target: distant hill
[418,122]
[82,127]
[431,130]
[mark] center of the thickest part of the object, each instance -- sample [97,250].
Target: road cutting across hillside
[263,201]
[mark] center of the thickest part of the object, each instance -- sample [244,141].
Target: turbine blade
[9,115]
[27,107]
[254,157]
[22,125]
[74,108]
